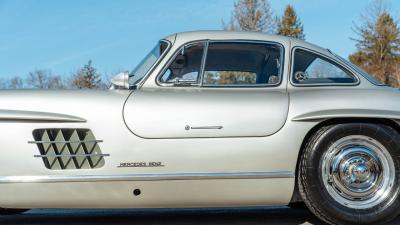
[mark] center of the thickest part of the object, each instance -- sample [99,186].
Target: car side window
[185,68]
[241,64]
[310,68]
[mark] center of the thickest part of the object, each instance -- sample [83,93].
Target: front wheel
[349,174]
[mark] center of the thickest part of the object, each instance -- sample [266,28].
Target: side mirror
[120,81]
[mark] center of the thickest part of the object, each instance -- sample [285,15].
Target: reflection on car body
[211,119]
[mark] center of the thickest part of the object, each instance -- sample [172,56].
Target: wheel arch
[395,124]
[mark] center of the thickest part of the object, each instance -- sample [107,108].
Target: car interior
[310,68]
[227,64]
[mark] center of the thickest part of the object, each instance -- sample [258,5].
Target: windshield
[147,63]
[370,78]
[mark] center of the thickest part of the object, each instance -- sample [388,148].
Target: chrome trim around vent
[145,177]
[64,142]
[68,148]
[70,155]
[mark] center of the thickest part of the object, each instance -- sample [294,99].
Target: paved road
[258,216]
[265,216]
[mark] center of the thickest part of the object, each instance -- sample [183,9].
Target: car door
[213,89]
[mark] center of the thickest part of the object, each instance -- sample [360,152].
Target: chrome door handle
[187,127]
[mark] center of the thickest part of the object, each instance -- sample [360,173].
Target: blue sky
[63,35]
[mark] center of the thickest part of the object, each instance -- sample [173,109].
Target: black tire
[297,205]
[12,211]
[315,192]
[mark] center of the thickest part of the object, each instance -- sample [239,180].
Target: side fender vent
[68,148]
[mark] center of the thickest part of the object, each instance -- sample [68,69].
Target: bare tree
[44,79]
[3,84]
[15,83]
[252,15]
[397,74]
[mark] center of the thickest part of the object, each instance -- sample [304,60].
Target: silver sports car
[211,119]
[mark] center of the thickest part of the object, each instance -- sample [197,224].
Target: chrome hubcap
[358,172]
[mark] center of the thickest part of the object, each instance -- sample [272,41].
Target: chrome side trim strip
[349,113]
[144,177]
[36,116]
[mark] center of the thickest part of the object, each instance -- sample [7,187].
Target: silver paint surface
[262,129]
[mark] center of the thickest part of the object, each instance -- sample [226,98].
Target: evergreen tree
[290,25]
[378,45]
[87,77]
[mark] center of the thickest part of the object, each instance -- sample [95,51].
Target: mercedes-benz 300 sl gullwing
[210,119]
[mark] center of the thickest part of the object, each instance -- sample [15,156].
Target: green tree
[252,15]
[290,25]
[87,78]
[378,44]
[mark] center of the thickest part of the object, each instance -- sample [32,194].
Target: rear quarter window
[311,68]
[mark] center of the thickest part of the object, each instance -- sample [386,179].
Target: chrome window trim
[204,60]
[359,72]
[341,65]
[145,77]
[281,69]
[168,63]
[145,177]
[203,63]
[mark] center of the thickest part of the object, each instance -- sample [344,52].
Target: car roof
[183,37]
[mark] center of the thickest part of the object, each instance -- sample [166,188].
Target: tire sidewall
[319,194]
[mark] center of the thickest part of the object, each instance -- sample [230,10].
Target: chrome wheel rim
[358,172]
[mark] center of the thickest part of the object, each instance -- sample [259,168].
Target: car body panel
[343,102]
[251,161]
[155,194]
[180,157]
[200,112]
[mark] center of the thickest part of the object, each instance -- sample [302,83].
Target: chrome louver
[68,148]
